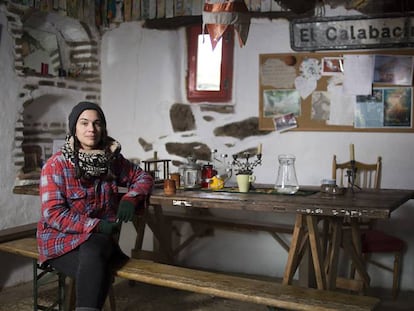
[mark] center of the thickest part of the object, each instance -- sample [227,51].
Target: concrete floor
[145,297]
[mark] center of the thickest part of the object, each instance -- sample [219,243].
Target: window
[210,71]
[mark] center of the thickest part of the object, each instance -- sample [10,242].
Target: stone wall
[34,138]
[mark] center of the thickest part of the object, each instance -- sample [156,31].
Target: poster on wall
[393,69]
[387,107]
[398,104]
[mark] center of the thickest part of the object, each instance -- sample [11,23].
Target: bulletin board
[278,94]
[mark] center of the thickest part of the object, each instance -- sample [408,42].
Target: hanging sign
[357,32]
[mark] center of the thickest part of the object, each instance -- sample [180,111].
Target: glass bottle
[286,181]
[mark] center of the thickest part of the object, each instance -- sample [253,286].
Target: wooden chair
[371,240]
[367,175]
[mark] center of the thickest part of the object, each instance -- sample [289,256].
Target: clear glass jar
[190,174]
[286,181]
[329,186]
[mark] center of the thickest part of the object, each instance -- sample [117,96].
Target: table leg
[332,254]
[356,238]
[324,258]
[156,223]
[139,225]
[162,232]
[295,249]
[316,251]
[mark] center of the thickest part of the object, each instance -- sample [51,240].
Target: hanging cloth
[219,15]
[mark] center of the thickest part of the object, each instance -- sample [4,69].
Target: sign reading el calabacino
[357,32]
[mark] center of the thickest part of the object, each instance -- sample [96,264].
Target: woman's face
[89,129]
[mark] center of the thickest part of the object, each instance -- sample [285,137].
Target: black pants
[91,265]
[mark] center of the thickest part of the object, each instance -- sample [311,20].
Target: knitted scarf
[92,163]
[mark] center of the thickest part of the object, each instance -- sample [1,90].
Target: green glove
[109,227]
[126,211]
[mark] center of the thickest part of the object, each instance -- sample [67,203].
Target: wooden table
[310,208]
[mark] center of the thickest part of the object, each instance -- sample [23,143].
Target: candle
[259,149]
[352,152]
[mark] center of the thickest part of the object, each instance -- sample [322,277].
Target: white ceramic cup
[243,181]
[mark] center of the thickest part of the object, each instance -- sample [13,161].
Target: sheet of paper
[276,73]
[305,87]
[358,74]
[342,106]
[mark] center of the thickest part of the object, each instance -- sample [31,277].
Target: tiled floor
[144,297]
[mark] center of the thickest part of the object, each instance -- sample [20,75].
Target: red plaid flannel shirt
[71,208]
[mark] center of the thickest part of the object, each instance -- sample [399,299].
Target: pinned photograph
[281,102]
[321,104]
[390,69]
[332,66]
[285,122]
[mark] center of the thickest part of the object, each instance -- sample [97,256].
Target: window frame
[226,74]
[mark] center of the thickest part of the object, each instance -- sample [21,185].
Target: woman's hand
[126,211]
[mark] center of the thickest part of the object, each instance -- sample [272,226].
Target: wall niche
[45,99]
[65,46]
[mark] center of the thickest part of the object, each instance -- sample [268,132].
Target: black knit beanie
[78,109]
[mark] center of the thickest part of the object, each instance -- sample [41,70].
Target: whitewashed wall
[143,74]
[14,209]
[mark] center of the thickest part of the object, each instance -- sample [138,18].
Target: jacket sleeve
[138,182]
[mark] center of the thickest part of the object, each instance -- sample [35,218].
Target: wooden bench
[18,232]
[21,233]
[261,292]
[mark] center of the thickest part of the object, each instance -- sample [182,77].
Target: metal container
[190,174]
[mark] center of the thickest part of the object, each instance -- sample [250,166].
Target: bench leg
[45,273]
[35,286]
